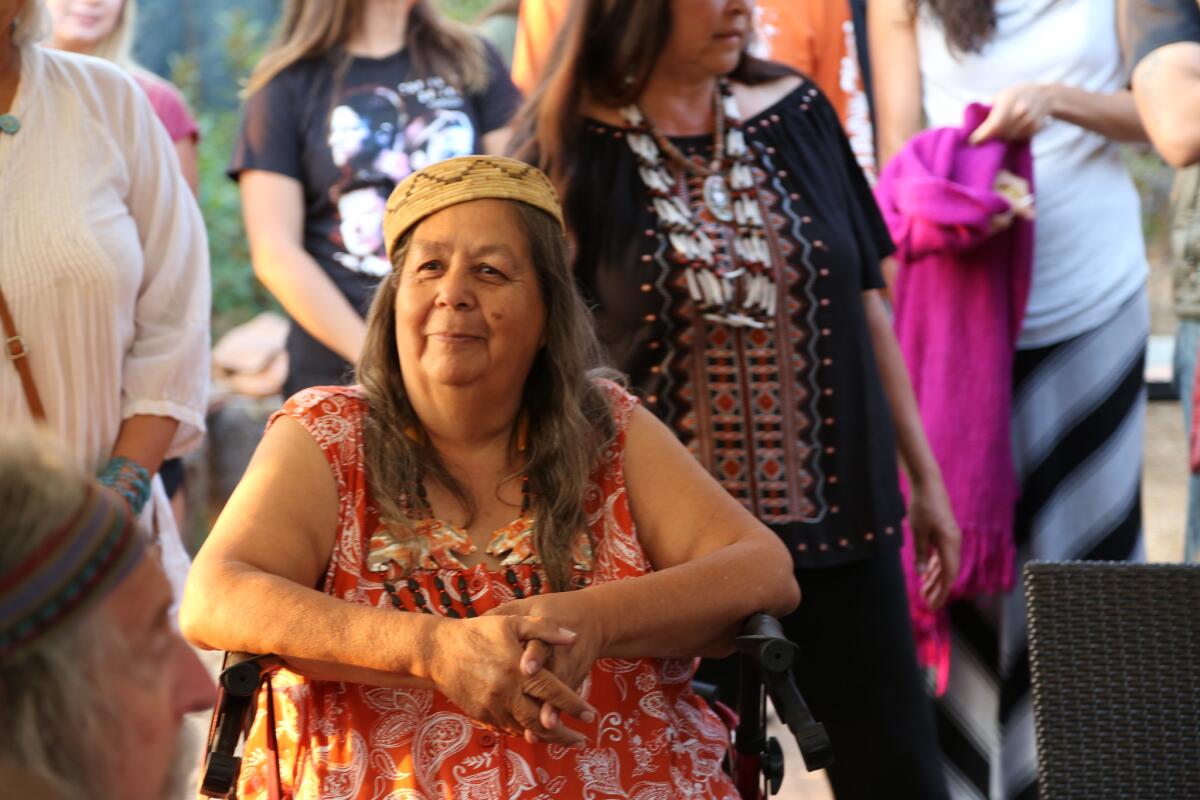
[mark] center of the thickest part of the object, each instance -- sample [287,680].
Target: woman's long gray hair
[569,418]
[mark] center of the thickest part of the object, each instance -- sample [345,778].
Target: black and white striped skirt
[1078,430]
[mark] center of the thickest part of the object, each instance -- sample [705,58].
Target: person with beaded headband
[487,567]
[731,251]
[94,679]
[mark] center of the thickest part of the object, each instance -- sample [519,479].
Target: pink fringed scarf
[960,298]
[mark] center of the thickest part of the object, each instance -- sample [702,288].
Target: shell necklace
[741,294]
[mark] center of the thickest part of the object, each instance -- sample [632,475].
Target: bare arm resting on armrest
[714,563]
[254,588]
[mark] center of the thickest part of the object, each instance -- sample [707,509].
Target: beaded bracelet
[128,479]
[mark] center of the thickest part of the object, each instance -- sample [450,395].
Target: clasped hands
[519,668]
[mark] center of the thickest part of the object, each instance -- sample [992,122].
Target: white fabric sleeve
[166,369]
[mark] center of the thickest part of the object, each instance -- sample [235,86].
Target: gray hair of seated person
[53,710]
[33,23]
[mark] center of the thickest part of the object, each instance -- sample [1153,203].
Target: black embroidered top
[792,420]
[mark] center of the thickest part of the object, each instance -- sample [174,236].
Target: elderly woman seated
[453,555]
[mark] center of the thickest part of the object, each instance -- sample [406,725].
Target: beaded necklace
[741,294]
[435,543]
[432,544]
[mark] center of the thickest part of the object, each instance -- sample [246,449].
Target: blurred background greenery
[208,48]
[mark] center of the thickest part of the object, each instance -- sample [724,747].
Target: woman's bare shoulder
[753,100]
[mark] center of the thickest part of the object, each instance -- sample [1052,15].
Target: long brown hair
[967,24]
[569,417]
[605,52]
[311,28]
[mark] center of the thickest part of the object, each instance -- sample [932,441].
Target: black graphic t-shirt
[349,146]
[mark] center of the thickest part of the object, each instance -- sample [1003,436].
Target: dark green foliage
[237,296]
[463,10]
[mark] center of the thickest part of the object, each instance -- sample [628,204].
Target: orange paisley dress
[654,739]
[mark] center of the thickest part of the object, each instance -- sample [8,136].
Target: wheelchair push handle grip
[815,747]
[243,672]
[241,676]
[762,640]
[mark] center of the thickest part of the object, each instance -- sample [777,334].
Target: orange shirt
[654,737]
[814,36]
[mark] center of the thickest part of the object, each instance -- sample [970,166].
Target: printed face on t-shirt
[361,225]
[364,132]
[379,134]
[347,132]
[443,134]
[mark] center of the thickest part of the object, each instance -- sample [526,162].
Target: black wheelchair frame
[757,759]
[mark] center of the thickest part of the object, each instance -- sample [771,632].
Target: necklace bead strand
[514,583]
[444,597]
[732,198]
[464,593]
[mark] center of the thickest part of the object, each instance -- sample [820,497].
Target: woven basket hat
[459,180]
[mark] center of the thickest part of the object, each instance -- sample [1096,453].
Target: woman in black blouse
[731,249]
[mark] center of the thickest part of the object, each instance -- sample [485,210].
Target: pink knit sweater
[960,297]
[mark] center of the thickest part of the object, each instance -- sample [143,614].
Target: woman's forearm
[189,166]
[1113,116]
[310,297]
[145,439]
[916,456]
[343,673]
[692,609]
[236,607]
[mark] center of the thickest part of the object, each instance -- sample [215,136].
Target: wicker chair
[1115,665]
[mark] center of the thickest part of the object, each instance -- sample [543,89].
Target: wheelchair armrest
[810,735]
[242,673]
[241,676]
[762,640]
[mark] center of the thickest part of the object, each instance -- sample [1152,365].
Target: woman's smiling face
[81,25]
[469,311]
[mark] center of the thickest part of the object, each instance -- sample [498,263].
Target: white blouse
[1089,256]
[104,263]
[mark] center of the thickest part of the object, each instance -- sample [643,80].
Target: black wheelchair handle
[243,672]
[241,675]
[761,624]
[810,735]
[762,639]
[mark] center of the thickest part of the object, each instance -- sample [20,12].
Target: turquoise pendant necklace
[8,122]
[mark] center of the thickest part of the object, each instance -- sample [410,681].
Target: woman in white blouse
[104,266]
